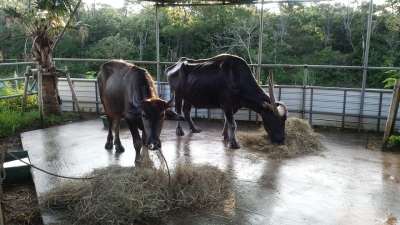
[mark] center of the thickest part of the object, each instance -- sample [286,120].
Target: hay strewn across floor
[123,195]
[300,140]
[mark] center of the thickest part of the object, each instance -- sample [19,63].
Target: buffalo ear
[136,102]
[267,106]
[171,115]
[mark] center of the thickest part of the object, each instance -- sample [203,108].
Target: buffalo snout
[277,138]
[153,145]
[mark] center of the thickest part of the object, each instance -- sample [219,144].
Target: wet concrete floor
[344,184]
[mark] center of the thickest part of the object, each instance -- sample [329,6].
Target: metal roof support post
[260,46]
[365,70]
[260,40]
[158,50]
[303,104]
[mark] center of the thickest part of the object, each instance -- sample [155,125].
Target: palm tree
[43,20]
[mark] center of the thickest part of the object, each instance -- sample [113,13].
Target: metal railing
[301,100]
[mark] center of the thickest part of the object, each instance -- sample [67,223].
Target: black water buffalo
[226,82]
[127,91]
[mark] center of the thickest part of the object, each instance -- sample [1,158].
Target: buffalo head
[274,116]
[150,114]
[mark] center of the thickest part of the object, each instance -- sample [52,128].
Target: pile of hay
[124,195]
[300,139]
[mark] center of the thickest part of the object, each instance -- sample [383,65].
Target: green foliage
[390,81]
[393,143]
[91,75]
[12,121]
[317,34]
[14,104]
[113,47]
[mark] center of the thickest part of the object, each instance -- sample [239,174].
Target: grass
[11,121]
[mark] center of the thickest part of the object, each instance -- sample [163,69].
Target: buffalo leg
[110,138]
[186,112]
[178,109]
[232,126]
[137,142]
[144,137]
[225,130]
[117,142]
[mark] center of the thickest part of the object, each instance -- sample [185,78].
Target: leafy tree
[42,20]
[112,47]
[317,33]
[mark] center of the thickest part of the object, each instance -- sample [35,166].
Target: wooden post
[394,105]
[27,73]
[74,98]
[40,95]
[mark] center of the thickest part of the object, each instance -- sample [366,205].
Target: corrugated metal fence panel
[353,101]
[85,92]
[323,106]
[327,101]
[65,94]
[292,97]
[376,104]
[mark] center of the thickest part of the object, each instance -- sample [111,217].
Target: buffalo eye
[144,117]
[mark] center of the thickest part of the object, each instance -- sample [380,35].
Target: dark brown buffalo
[128,91]
[225,82]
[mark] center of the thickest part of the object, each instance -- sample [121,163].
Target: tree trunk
[51,104]
[43,57]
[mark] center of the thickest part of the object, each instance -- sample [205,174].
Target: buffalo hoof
[108,145]
[234,145]
[137,161]
[195,129]
[119,149]
[179,132]
[226,136]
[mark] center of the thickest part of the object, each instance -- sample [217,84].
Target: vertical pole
[344,108]
[311,104]
[27,73]
[74,98]
[260,40]
[158,50]
[394,106]
[40,95]
[97,96]
[303,107]
[365,70]
[378,126]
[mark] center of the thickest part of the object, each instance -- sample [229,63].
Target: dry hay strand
[124,195]
[199,186]
[20,204]
[300,139]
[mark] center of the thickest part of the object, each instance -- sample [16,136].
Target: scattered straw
[124,195]
[199,186]
[300,139]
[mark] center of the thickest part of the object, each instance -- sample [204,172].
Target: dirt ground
[20,202]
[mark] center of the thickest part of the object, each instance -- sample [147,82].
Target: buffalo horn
[280,110]
[136,102]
